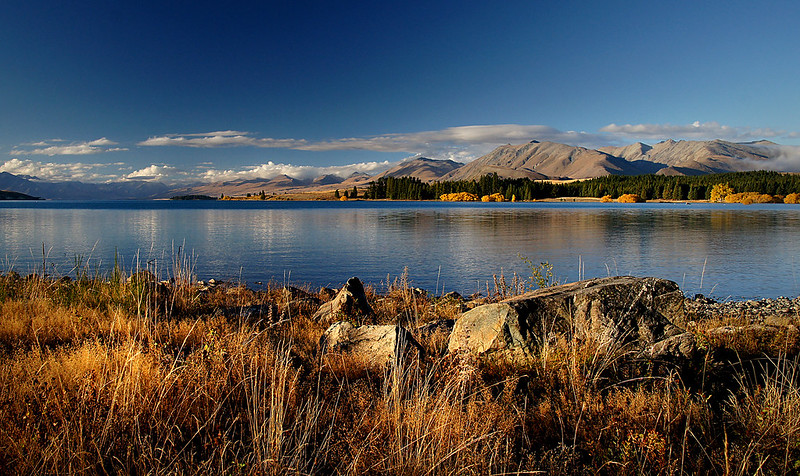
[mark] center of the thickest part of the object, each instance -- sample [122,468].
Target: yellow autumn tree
[458,197]
[720,191]
[630,198]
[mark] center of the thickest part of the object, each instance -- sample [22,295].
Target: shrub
[458,197]
[495,197]
[630,198]
[748,198]
[606,199]
[792,198]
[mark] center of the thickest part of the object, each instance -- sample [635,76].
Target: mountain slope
[630,152]
[715,156]
[423,168]
[542,160]
[10,195]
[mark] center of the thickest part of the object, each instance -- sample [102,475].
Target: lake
[724,251]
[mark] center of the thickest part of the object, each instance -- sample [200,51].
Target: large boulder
[351,301]
[371,346]
[617,311]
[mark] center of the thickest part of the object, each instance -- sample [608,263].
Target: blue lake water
[726,251]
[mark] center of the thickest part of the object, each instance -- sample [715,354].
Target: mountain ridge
[536,160]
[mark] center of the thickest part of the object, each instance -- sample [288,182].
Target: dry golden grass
[112,377]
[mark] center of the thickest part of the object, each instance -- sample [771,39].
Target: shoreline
[124,374]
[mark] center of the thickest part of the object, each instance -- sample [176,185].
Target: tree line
[648,187]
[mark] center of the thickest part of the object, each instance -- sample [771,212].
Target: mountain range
[534,160]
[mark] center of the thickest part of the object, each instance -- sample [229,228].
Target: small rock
[679,348]
[452,296]
[351,301]
[372,346]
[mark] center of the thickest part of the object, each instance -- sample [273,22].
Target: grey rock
[370,345]
[351,301]
[452,296]
[678,348]
[617,311]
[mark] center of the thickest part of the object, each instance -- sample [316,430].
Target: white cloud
[304,172]
[220,139]
[784,158]
[51,171]
[96,146]
[458,143]
[157,172]
[694,131]
[101,142]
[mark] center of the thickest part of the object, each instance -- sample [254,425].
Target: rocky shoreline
[570,379]
[751,309]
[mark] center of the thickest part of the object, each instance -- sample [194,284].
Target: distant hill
[192,197]
[276,185]
[423,168]
[73,190]
[328,179]
[9,195]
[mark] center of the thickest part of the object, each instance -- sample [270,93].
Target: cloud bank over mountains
[694,131]
[462,144]
[463,138]
[98,172]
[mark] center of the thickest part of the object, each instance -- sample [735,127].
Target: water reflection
[727,251]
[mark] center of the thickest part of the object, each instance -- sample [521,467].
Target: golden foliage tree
[630,198]
[720,191]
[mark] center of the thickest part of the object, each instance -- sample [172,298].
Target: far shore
[329,196]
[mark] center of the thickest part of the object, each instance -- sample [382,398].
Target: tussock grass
[117,375]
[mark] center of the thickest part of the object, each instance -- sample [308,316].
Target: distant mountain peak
[422,168]
[759,142]
[327,179]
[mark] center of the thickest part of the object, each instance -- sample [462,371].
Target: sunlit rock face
[617,311]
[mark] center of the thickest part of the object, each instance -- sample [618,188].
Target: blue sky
[193,90]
